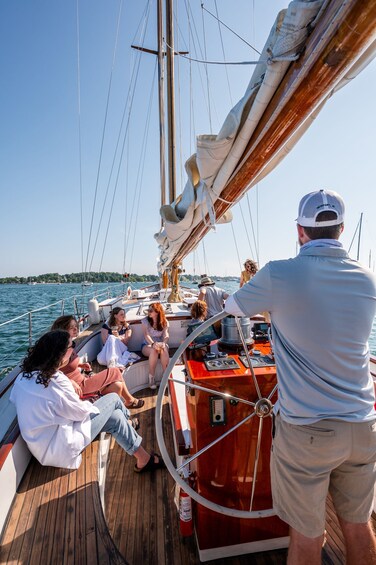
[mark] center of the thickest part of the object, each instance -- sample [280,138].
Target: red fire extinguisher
[185,514]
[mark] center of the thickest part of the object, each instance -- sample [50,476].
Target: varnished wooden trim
[177,427]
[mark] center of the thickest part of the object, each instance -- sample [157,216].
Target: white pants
[115,353]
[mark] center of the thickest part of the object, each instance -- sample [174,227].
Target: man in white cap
[322,306]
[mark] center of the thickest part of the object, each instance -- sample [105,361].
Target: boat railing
[30,325]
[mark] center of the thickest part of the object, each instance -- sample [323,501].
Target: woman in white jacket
[55,423]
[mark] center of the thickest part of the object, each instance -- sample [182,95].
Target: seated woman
[115,335]
[250,269]
[199,312]
[109,380]
[155,328]
[55,423]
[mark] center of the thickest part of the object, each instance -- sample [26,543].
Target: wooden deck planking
[157,523]
[154,536]
[57,518]
[57,515]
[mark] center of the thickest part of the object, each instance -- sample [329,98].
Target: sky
[43,118]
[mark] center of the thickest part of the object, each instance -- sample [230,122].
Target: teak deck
[57,515]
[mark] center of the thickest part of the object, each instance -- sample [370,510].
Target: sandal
[137,403]
[151,465]
[135,423]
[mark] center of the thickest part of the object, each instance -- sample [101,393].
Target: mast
[359,235]
[161,101]
[175,295]
[170,100]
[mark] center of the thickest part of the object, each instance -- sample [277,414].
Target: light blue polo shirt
[322,306]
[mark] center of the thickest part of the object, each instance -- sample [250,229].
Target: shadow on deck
[57,515]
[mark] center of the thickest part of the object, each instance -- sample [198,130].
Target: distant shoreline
[98,278]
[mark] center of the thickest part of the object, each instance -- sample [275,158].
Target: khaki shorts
[329,455]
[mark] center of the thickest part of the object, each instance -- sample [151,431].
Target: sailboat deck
[57,515]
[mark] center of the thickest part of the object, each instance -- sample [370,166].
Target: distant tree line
[99,278]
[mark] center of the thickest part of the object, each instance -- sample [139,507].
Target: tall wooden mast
[174,296]
[161,101]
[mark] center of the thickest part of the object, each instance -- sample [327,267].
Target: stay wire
[79,136]
[236,245]
[246,231]
[179,114]
[206,264]
[253,229]
[223,53]
[126,207]
[142,164]
[103,135]
[206,70]
[128,104]
[232,31]
[196,49]
[206,62]
[117,182]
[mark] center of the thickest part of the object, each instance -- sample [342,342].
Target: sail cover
[218,156]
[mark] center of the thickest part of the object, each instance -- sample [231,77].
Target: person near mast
[55,424]
[155,345]
[84,381]
[214,298]
[250,269]
[322,306]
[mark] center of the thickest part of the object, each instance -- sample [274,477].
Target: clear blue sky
[39,156]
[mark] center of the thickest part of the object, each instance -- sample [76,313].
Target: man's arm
[201,296]
[253,297]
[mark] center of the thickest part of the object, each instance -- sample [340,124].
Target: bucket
[230,333]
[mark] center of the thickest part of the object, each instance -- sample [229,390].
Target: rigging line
[103,135]
[189,11]
[355,232]
[79,136]
[191,110]
[179,116]
[206,264]
[223,52]
[126,207]
[206,70]
[236,245]
[142,165]
[253,229]
[129,100]
[117,179]
[206,62]
[258,224]
[232,31]
[246,231]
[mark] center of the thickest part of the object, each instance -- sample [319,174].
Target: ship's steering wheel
[262,408]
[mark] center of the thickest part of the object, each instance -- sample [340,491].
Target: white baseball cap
[320,201]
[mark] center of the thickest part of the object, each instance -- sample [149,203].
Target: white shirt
[53,421]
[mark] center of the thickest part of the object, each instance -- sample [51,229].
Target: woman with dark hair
[116,333]
[104,382]
[250,269]
[55,423]
[155,344]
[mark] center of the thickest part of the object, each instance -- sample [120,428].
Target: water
[17,299]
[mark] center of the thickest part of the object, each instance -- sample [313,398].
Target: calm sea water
[15,300]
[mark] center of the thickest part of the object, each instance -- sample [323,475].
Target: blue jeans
[113,418]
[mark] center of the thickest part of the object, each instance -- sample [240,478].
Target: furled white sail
[218,156]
